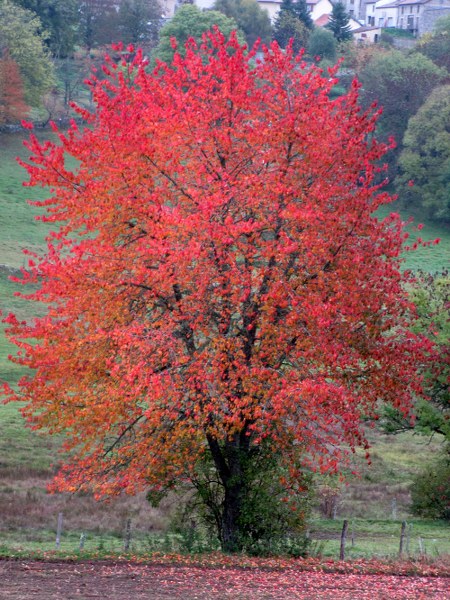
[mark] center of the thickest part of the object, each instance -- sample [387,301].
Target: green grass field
[29,515]
[380,538]
[432,258]
[18,226]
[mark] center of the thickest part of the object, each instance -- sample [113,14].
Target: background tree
[20,34]
[430,490]
[339,23]
[322,43]
[431,295]
[98,23]
[400,84]
[252,20]
[297,9]
[190,22]
[425,158]
[436,46]
[301,11]
[218,291]
[289,27]
[139,22]
[294,22]
[12,102]
[59,21]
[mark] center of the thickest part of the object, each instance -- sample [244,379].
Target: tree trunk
[231,538]
[229,460]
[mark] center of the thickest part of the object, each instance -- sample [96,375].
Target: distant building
[415,16]
[367,34]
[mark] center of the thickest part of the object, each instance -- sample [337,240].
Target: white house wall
[385,14]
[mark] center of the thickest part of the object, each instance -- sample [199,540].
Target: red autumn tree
[219,292]
[12,98]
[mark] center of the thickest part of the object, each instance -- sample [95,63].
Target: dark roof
[363,29]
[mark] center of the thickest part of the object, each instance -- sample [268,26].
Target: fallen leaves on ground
[220,577]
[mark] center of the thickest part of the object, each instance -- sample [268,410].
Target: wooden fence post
[408,535]
[394,509]
[127,536]
[402,538]
[59,530]
[343,538]
[421,546]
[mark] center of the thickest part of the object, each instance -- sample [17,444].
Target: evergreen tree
[288,27]
[339,23]
[301,12]
[286,5]
[293,21]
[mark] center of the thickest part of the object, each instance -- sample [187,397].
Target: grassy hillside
[18,227]
[432,258]
[29,515]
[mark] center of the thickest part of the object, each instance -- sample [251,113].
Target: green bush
[272,520]
[322,43]
[431,491]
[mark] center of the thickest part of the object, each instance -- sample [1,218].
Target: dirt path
[27,580]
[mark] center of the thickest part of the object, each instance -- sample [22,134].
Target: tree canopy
[104,22]
[430,491]
[399,83]
[288,27]
[12,103]
[294,22]
[298,9]
[190,22]
[339,23]
[139,22]
[59,20]
[301,11]
[218,290]
[97,24]
[425,158]
[251,19]
[436,45]
[322,43]
[20,36]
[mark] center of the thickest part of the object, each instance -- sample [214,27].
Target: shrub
[270,523]
[431,491]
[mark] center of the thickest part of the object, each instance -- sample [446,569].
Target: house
[385,13]
[415,16]
[367,34]
[323,20]
[354,8]
[320,9]
[317,8]
[368,12]
[431,13]
[271,6]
